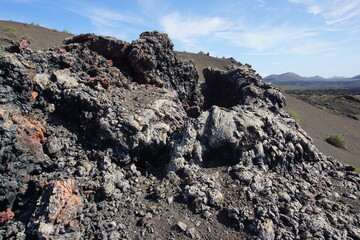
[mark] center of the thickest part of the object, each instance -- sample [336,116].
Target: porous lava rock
[239,86]
[148,60]
[104,139]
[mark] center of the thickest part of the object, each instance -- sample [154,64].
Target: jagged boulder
[239,86]
[148,60]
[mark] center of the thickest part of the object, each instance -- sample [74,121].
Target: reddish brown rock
[23,43]
[65,202]
[6,216]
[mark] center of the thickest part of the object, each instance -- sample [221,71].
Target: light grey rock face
[107,139]
[251,136]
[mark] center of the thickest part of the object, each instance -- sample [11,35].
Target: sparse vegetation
[295,116]
[202,53]
[337,141]
[65,31]
[55,30]
[281,88]
[10,30]
[343,102]
[354,116]
[357,170]
[14,34]
[321,107]
[28,37]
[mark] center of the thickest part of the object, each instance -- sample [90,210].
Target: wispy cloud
[315,47]
[264,38]
[334,11]
[109,22]
[102,17]
[187,29]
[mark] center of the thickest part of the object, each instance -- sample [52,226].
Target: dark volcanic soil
[319,124]
[342,102]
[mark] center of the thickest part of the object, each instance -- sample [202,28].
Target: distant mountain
[336,78]
[285,77]
[293,79]
[317,78]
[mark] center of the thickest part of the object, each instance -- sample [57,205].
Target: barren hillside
[39,37]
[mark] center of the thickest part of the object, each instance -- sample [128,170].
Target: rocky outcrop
[239,86]
[103,139]
[148,60]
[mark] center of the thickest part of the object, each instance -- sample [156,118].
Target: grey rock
[181,226]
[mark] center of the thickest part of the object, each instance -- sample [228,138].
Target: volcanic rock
[104,139]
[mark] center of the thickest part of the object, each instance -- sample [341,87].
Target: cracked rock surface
[104,139]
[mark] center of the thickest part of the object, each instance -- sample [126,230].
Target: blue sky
[308,37]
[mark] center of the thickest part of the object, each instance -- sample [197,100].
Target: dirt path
[319,124]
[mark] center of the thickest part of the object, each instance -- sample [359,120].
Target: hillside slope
[319,124]
[39,37]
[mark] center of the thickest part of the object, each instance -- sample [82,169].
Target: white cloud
[101,17]
[265,39]
[334,11]
[268,37]
[315,47]
[344,18]
[187,29]
[315,10]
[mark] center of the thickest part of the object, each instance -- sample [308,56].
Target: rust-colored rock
[61,51]
[65,202]
[29,128]
[23,43]
[33,95]
[6,216]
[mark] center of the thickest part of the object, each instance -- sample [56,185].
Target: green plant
[342,99]
[281,88]
[337,141]
[321,107]
[202,53]
[28,37]
[65,31]
[55,30]
[357,170]
[295,116]
[10,30]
